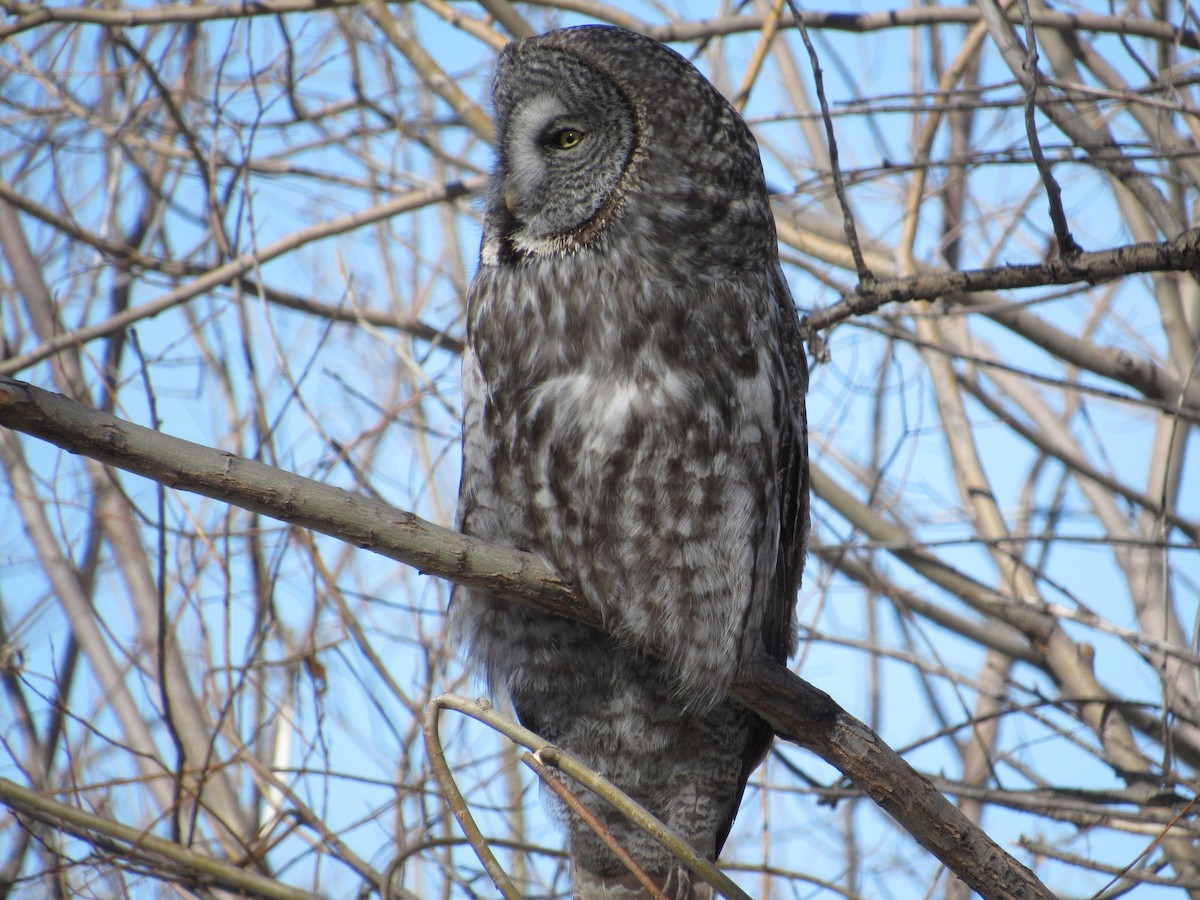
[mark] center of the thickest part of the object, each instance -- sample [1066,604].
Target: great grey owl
[634,413]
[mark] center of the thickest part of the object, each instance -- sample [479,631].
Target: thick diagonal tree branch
[798,711]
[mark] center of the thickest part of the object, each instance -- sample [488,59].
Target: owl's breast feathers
[639,421]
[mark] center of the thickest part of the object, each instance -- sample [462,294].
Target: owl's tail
[678,884]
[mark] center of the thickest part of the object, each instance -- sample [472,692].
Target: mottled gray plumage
[634,412]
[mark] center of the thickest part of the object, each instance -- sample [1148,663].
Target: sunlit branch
[798,711]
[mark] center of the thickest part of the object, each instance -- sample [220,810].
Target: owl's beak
[510,201]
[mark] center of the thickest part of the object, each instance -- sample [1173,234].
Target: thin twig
[575,768]
[1154,843]
[158,857]
[458,805]
[759,56]
[506,14]
[1161,30]
[839,187]
[1067,246]
[431,73]
[589,818]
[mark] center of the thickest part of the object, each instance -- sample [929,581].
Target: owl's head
[602,131]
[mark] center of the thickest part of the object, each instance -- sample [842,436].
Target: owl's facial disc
[565,145]
[528,155]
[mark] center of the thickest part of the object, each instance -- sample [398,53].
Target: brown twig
[1181,254]
[589,818]
[839,187]
[431,73]
[918,16]
[458,805]
[160,857]
[1032,78]
[759,56]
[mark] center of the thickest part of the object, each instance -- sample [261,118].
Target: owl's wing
[779,634]
[476,459]
[778,625]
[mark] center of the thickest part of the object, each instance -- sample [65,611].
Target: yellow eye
[566,138]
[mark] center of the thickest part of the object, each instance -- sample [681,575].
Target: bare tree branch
[798,711]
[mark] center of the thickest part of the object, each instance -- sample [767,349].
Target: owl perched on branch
[634,412]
